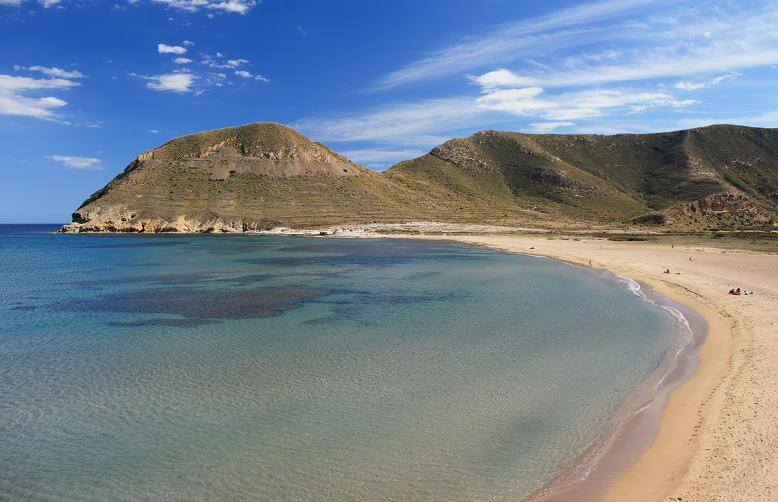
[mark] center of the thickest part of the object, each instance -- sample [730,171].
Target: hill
[265,175]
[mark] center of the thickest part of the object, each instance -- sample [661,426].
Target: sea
[237,367]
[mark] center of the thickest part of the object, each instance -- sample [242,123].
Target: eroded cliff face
[723,210]
[265,175]
[115,220]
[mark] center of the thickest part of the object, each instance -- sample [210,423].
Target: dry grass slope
[264,175]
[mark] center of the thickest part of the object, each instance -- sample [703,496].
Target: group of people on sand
[737,292]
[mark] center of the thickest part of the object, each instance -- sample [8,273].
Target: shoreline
[636,424]
[661,467]
[717,425]
[654,470]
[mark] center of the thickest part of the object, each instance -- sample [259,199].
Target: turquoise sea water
[235,367]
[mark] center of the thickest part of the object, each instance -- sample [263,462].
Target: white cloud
[10,83]
[170,49]
[533,101]
[51,71]
[41,108]
[182,60]
[248,74]
[170,82]
[77,162]
[227,6]
[187,43]
[502,78]
[15,98]
[153,131]
[546,127]
[213,61]
[692,86]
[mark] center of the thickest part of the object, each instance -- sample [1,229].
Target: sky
[88,85]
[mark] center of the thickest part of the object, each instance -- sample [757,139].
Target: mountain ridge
[260,175]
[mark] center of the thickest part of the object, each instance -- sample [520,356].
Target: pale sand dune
[718,439]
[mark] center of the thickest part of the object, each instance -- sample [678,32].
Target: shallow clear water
[235,367]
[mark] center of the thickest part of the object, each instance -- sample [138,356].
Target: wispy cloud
[765,119]
[426,122]
[533,101]
[415,123]
[77,162]
[512,41]
[684,42]
[693,86]
[220,61]
[685,38]
[546,127]
[248,75]
[17,3]
[51,71]
[226,6]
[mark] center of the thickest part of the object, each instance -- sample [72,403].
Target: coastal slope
[265,175]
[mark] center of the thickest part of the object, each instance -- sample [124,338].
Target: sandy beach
[717,435]
[718,432]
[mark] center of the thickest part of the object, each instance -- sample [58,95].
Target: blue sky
[87,85]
